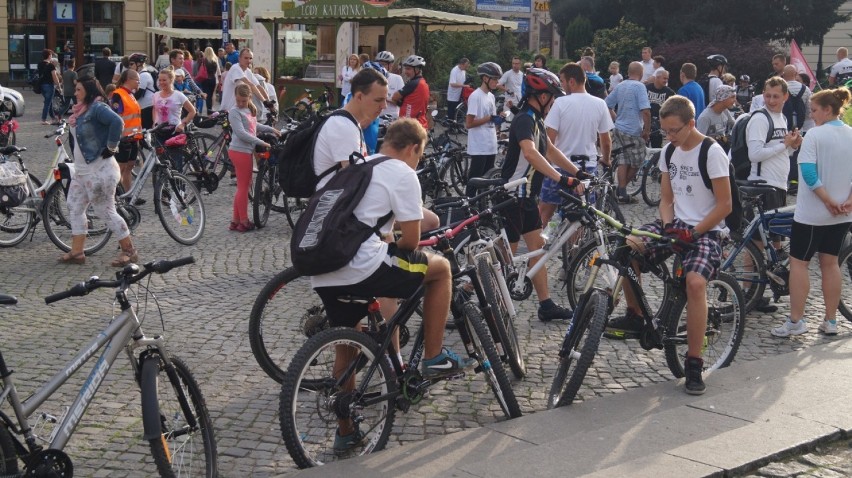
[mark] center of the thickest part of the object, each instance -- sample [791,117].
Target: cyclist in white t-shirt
[458,77]
[512,82]
[395,82]
[240,73]
[480,122]
[842,70]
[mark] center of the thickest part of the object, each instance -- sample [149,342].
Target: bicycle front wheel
[490,364]
[263,187]
[724,332]
[502,320]
[55,217]
[309,415]
[173,406]
[845,260]
[293,209]
[286,310]
[748,267]
[579,268]
[458,167]
[180,208]
[651,177]
[579,348]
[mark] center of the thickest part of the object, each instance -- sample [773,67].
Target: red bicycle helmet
[539,80]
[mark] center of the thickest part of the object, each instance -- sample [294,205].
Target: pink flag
[798,60]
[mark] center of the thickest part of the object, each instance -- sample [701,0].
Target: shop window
[197,7]
[103,12]
[22,10]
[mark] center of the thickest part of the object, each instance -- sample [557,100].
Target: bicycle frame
[150,161]
[119,335]
[761,226]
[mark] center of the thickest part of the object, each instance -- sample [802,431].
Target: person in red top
[413,98]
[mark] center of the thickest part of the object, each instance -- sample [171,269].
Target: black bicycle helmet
[539,80]
[716,60]
[138,58]
[414,61]
[489,69]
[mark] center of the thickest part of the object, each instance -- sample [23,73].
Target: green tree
[622,44]
[449,6]
[578,34]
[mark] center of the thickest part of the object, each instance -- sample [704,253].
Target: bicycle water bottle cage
[178,141]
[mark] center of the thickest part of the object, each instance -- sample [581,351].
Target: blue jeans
[47,90]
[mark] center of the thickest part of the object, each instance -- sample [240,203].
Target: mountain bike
[268,195]
[175,420]
[200,155]
[375,383]
[307,105]
[45,202]
[665,329]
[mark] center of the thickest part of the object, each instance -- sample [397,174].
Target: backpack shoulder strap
[702,162]
[668,155]
[801,92]
[771,123]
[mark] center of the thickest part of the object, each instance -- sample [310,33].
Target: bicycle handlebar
[129,274]
[465,201]
[451,233]
[63,125]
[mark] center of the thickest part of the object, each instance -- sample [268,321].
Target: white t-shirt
[395,83]
[347,72]
[842,68]
[338,138]
[757,103]
[578,119]
[482,139]
[229,85]
[512,80]
[167,109]
[146,82]
[393,187]
[614,80]
[692,200]
[457,75]
[828,147]
[774,157]
[648,69]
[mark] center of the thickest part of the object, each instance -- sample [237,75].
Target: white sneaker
[789,328]
[828,327]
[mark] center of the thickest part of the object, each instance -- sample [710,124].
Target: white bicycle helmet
[385,56]
[414,61]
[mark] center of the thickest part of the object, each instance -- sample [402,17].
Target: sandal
[126,257]
[245,226]
[234,226]
[69,258]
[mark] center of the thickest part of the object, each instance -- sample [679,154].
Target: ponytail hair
[244,91]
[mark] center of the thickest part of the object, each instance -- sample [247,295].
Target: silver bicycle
[175,419]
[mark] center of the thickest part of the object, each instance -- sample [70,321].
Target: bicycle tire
[8,139]
[311,444]
[845,260]
[55,217]
[458,166]
[503,324]
[262,203]
[725,327]
[753,283]
[609,205]
[8,456]
[634,186]
[461,113]
[577,272]
[489,361]
[581,344]
[275,325]
[176,439]
[15,224]
[180,208]
[651,178]
[293,209]
[297,114]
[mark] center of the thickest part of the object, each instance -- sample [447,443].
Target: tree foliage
[676,20]
[623,44]
[449,6]
[749,57]
[578,34]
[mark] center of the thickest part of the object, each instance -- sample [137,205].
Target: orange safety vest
[132,114]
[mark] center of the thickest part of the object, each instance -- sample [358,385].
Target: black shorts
[127,152]
[521,218]
[148,117]
[807,240]
[399,276]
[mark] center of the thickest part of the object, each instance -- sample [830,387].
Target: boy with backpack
[693,213]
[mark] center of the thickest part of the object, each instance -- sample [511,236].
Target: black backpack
[704,83]
[735,218]
[794,110]
[595,88]
[140,92]
[328,235]
[739,144]
[295,159]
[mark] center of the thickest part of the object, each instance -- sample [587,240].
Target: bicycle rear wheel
[609,204]
[651,178]
[263,187]
[55,217]
[293,208]
[748,267]
[285,310]
[502,321]
[458,167]
[579,348]
[845,260]
[725,327]
[15,224]
[490,364]
[309,415]
[185,444]
[180,208]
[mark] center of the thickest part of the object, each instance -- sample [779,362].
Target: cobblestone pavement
[831,460]
[205,312]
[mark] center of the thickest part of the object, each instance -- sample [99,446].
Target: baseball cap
[180,72]
[723,92]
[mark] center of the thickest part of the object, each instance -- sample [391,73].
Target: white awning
[198,33]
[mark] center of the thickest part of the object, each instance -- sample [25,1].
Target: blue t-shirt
[693,91]
[628,99]
[371,132]
[233,58]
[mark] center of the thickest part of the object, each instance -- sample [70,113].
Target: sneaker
[764,306]
[347,442]
[627,326]
[789,328]
[692,368]
[557,312]
[139,201]
[828,327]
[445,363]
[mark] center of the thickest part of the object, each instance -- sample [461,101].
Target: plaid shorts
[705,260]
[632,155]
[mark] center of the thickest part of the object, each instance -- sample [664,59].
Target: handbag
[202,72]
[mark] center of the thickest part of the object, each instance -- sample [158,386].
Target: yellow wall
[4,40]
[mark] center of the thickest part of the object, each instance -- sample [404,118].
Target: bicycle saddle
[755,191]
[7,300]
[482,183]
[12,149]
[354,299]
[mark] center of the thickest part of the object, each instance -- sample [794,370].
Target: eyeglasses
[672,132]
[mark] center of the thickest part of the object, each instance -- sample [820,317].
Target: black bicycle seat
[7,300]
[11,149]
[750,182]
[482,183]
[355,299]
[755,191]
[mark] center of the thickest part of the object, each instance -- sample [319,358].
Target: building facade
[536,31]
